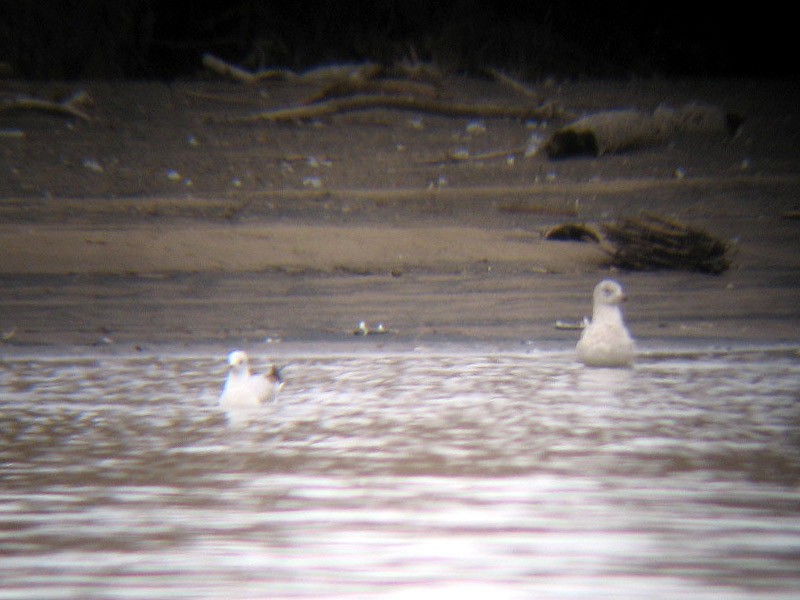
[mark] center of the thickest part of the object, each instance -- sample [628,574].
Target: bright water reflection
[415,475]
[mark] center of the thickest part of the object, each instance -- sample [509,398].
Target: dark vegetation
[153,39]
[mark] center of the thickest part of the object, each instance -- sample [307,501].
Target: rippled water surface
[402,474]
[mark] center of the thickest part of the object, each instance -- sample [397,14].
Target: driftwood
[651,242]
[462,156]
[578,232]
[613,131]
[356,87]
[339,72]
[411,103]
[353,86]
[229,71]
[324,74]
[513,84]
[70,106]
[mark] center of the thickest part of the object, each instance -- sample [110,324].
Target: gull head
[237,359]
[608,293]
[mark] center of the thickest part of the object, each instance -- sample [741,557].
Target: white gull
[606,342]
[245,389]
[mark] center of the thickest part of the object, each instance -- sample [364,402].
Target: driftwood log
[613,131]
[651,242]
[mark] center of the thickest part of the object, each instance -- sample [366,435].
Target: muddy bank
[154,225]
[197,248]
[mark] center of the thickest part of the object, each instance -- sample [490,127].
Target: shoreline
[417,307]
[648,350]
[154,225]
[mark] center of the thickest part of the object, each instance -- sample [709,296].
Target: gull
[605,342]
[244,389]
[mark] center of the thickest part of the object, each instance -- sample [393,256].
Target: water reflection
[407,474]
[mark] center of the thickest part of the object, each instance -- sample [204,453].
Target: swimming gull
[605,342]
[245,389]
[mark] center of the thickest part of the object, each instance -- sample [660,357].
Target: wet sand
[185,282]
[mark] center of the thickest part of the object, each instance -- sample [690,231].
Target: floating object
[605,342]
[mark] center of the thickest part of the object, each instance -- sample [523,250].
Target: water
[409,474]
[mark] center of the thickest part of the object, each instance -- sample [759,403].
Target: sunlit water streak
[408,474]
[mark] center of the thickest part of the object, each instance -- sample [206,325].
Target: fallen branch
[410,103]
[69,106]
